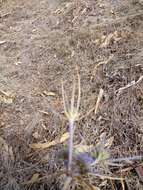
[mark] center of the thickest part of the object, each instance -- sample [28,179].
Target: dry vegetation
[41,44]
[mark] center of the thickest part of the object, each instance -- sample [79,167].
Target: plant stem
[71,132]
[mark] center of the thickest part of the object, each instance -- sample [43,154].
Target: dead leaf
[6,97]
[48,93]
[43,93]
[95,188]
[58,11]
[35,178]
[2,42]
[82,148]
[36,135]
[101,6]
[108,40]
[64,137]
[7,100]
[109,142]
[112,12]
[18,63]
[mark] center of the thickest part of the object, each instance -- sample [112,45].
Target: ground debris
[41,43]
[64,137]
[139,171]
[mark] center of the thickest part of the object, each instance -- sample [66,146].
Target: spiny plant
[81,158]
[71,111]
[88,157]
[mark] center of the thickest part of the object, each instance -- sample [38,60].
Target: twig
[114,164]
[105,176]
[98,100]
[127,159]
[99,64]
[4,93]
[132,83]
[95,108]
[123,185]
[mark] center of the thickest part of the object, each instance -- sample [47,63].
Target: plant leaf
[82,148]
[64,137]
[46,93]
[35,178]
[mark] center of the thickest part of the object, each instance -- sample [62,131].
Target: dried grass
[105,41]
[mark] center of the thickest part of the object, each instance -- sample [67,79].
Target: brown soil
[41,43]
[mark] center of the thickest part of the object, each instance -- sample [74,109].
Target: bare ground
[41,43]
